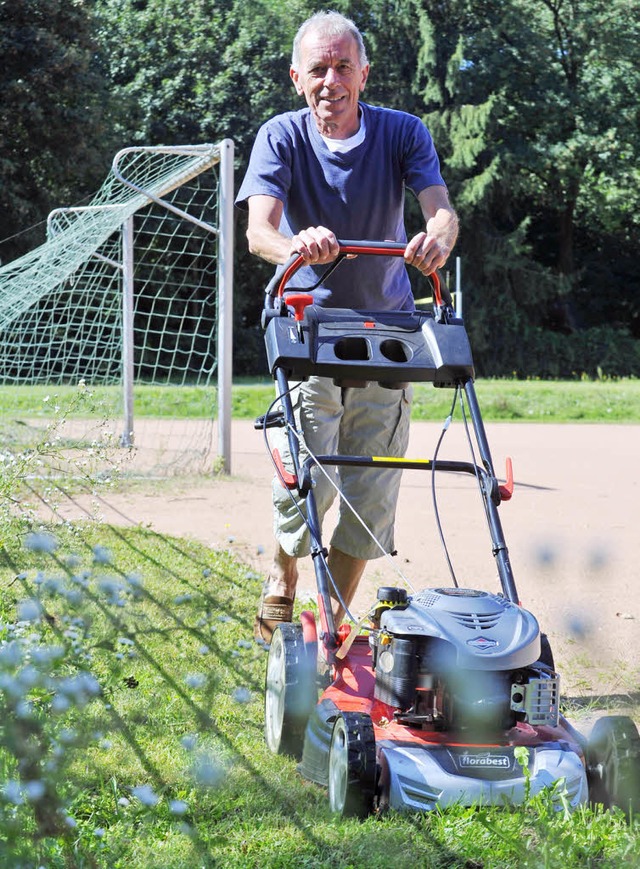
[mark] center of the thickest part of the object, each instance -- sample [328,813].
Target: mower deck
[421,769]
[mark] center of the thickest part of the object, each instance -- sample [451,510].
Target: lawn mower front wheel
[352,765]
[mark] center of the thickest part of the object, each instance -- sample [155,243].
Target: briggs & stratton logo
[482,643]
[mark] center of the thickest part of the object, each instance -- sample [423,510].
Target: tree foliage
[54,121]
[194,70]
[532,104]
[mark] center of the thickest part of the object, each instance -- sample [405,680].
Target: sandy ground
[570,530]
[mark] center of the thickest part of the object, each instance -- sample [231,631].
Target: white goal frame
[222,153]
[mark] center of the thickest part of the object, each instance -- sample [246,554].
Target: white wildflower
[12,792]
[34,790]
[29,610]
[102,555]
[207,770]
[10,655]
[146,795]
[41,542]
[182,598]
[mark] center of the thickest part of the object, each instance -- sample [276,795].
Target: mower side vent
[539,700]
[477,621]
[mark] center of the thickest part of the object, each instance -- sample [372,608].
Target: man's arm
[429,250]
[317,244]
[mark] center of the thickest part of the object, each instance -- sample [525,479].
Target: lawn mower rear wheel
[613,762]
[290,690]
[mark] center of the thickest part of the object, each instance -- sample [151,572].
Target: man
[337,170]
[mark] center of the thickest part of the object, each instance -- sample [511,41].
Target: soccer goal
[132,291]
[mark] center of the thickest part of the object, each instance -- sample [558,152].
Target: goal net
[124,297]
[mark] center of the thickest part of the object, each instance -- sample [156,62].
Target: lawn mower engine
[433,711]
[462,661]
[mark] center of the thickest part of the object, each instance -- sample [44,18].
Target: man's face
[331,80]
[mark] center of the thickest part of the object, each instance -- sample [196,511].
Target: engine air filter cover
[487,631]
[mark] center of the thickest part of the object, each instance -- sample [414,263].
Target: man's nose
[331,77]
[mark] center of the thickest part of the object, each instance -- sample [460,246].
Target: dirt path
[570,529]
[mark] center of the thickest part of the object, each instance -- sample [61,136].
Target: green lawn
[131,691]
[132,713]
[500,400]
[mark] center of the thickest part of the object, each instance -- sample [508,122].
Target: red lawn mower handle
[278,284]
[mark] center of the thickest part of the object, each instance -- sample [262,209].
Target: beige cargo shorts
[368,421]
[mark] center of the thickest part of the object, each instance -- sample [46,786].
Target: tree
[54,121]
[191,71]
[533,105]
[186,71]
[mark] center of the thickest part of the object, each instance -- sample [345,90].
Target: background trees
[531,102]
[54,122]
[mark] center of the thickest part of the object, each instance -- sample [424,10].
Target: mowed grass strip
[156,758]
[599,401]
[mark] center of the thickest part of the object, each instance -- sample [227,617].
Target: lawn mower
[444,695]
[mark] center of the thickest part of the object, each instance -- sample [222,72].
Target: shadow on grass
[156,635]
[603,704]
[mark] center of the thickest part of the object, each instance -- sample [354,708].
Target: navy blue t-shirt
[358,194]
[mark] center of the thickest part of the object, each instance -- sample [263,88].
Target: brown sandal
[273,610]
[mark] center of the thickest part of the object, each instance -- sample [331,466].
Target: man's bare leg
[346,572]
[283,577]
[279,591]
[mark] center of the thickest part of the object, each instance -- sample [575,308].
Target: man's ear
[295,78]
[365,76]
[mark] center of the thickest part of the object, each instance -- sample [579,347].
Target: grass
[157,758]
[131,692]
[500,400]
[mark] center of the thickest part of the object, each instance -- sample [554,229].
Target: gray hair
[329,24]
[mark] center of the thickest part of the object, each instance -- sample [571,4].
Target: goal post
[224,232]
[135,287]
[126,439]
[225,302]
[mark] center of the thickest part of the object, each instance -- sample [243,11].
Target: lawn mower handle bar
[278,283]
